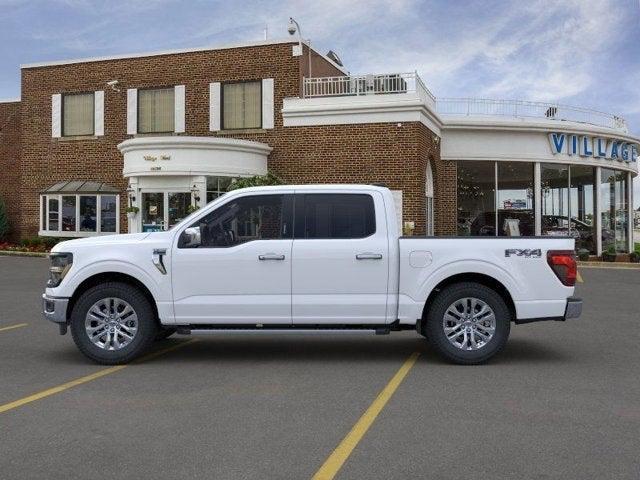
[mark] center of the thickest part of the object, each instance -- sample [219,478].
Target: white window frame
[44,215]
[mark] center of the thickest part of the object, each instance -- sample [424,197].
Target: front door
[163,210]
[234,264]
[340,259]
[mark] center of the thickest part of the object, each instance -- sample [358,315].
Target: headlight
[60,265]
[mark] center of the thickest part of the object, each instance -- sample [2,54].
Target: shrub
[255,181]
[583,254]
[4,221]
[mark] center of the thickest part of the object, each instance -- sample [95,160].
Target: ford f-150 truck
[305,259]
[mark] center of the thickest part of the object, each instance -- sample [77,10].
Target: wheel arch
[479,278]
[106,277]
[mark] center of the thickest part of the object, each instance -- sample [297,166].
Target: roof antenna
[266,32]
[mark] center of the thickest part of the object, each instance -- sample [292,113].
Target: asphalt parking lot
[562,401]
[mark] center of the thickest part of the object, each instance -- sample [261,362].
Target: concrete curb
[610,265]
[11,253]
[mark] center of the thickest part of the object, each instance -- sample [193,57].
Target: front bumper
[574,308]
[54,309]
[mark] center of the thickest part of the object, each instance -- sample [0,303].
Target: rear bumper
[574,308]
[54,309]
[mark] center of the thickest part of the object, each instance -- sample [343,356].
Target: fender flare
[113,266]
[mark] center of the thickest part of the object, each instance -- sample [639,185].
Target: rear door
[340,256]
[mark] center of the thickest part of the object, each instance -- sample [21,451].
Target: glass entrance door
[163,210]
[178,207]
[153,212]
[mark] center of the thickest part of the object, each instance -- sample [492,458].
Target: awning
[81,186]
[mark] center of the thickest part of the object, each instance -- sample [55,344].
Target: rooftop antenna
[266,32]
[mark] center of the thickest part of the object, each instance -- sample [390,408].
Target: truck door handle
[270,256]
[369,256]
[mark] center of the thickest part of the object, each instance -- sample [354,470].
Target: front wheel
[113,323]
[468,323]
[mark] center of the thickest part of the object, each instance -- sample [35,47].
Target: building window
[613,207]
[156,110]
[75,215]
[217,186]
[476,198]
[78,114]
[241,105]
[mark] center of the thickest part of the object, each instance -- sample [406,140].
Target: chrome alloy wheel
[111,324]
[469,323]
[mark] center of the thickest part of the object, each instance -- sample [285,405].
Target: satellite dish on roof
[334,56]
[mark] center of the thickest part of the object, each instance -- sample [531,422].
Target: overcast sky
[581,52]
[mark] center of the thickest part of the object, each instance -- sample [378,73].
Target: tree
[4,221]
[255,181]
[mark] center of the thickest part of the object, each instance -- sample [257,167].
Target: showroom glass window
[217,186]
[515,201]
[78,114]
[336,216]
[242,105]
[613,207]
[555,199]
[582,206]
[156,110]
[476,198]
[257,217]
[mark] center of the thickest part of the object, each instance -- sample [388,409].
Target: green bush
[583,254]
[255,181]
[4,221]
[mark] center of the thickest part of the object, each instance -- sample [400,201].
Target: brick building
[167,131]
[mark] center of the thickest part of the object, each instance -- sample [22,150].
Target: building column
[598,213]
[537,198]
[630,211]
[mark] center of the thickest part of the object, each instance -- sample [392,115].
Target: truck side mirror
[190,238]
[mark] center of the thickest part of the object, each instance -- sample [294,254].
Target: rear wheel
[468,323]
[113,323]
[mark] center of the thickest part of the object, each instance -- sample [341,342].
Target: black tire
[147,326]
[434,328]
[164,333]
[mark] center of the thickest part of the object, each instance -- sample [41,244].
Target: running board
[282,331]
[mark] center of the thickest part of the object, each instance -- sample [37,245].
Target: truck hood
[101,240]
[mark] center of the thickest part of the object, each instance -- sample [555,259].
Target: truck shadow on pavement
[265,350]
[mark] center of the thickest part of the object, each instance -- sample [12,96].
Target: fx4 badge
[527,253]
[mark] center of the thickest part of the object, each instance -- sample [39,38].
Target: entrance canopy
[168,176]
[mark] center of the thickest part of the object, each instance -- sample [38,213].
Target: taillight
[563,263]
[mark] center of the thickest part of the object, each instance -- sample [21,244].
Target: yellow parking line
[334,463]
[579,278]
[88,378]
[11,327]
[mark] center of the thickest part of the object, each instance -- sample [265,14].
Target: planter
[634,257]
[609,257]
[583,254]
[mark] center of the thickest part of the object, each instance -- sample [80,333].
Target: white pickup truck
[324,259]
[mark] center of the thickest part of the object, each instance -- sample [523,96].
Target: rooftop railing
[526,109]
[399,83]
[356,85]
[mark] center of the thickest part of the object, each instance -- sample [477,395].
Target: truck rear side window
[332,215]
